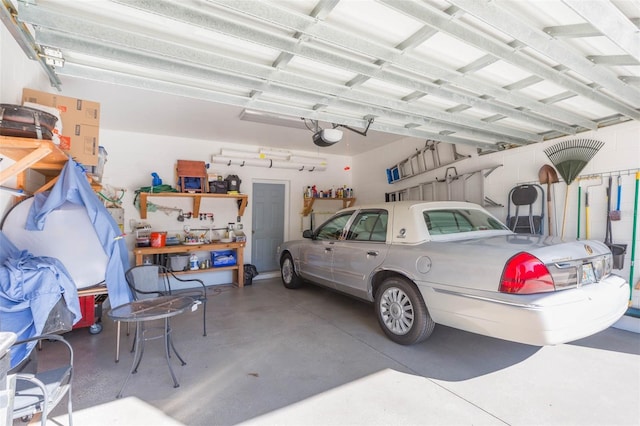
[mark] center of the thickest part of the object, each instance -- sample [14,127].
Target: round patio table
[144,310]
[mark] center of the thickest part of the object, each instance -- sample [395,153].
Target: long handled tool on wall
[569,158]
[547,174]
[579,207]
[616,214]
[617,250]
[587,210]
[634,237]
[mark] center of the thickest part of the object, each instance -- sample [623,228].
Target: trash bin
[618,251]
[250,271]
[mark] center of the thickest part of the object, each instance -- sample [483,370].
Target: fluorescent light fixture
[273,119]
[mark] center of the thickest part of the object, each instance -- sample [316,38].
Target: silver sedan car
[453,263]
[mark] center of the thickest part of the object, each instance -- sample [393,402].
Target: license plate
[588,275]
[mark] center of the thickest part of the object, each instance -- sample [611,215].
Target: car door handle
[372,253]
[328,249]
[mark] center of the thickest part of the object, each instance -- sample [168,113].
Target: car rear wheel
[288,273]
[402,313]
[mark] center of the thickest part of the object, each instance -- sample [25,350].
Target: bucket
[158,239]
[618,251]
[178,262]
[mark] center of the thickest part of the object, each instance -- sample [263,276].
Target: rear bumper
[541,319]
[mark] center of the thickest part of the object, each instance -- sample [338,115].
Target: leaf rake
[569,158]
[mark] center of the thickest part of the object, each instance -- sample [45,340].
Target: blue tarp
[30,287]
[73,186]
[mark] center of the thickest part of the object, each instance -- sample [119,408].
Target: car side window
[369,226]
[333,229]
[440,222]
[446,222]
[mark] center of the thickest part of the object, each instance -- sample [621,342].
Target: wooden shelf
[197,198]
[42,156]
[308,203]
[238,268]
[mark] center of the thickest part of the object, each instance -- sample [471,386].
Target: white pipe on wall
[261,162]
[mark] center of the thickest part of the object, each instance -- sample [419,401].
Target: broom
[569,158]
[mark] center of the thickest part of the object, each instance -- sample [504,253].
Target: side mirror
[308,233]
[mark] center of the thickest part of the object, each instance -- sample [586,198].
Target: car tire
[401,312]
[290,278]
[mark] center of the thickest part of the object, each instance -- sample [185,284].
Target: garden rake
[569,158]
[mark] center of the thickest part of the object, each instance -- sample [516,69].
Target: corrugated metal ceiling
[491,74]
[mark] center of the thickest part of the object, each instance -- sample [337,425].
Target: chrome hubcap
[287,271]
[396,311]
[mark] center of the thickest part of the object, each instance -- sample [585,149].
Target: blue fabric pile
[72,186]
[30,287]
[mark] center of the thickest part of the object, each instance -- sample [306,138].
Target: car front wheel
[402,313]
[288,273]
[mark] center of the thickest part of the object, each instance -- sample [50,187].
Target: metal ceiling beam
[525,82]
[23,37]
[579,30]
[559,97]
[614,60]
[264,79]
[197,57]
[415,39]
[631,79]
[478,64]
[321,10]
[500,18]
[184,90]
[608,19]
[419,67]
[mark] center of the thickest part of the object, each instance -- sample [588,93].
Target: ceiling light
[274,119]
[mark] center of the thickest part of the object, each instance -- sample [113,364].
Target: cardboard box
[77,111]
[81,143]
[80,124]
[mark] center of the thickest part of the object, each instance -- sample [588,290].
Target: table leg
[117,341]
[182,361]
[167,342]
[137,357]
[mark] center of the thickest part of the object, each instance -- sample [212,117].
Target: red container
[88,310]
[158,239]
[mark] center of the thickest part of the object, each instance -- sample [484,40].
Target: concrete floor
[310,356]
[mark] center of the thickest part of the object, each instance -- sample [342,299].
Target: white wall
[133,157]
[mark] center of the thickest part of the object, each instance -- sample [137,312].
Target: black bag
[250,271]
[218,186]
[25,122]
[233,183]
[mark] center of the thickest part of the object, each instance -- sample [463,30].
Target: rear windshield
[455,221]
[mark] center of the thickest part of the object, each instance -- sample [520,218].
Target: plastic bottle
[193,262]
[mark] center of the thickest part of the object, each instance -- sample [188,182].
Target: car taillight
[526,274]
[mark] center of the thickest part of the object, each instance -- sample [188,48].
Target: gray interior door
[267,224]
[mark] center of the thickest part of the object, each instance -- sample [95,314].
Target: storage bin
[223,258]
[178,262]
